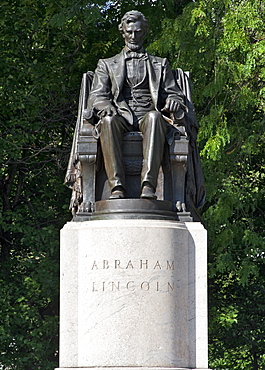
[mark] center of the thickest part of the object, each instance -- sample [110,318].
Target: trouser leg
[112,129]
[154,128]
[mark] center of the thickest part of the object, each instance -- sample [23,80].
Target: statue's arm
[172,96]
[100,97]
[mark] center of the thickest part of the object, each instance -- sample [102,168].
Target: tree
[40,76]
[222,43]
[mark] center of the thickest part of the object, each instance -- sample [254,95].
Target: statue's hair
[131,17]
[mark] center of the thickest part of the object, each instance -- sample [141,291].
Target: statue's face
[133,34]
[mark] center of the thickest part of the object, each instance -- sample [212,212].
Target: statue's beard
[134,47]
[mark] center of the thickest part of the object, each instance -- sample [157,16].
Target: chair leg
[178,158]
[87,152]
[88,182]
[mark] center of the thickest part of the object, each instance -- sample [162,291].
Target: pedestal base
[133,295]
[134,209]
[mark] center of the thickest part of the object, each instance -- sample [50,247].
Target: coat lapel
[118,73]
[154,72]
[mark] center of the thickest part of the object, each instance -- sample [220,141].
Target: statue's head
[133,28]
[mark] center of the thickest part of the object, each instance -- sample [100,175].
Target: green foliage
[41,67]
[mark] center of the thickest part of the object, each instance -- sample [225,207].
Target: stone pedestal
[133,295]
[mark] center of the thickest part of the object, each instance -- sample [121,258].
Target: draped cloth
[194,187]
[73,177]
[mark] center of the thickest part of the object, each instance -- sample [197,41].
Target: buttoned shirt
[136,90]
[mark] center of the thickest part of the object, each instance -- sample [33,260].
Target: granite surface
[133,294]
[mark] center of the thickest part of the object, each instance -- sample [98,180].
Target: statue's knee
[110,123]
[154,119]
[108,120]
[154,116]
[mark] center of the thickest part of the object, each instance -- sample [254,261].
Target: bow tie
[134,55]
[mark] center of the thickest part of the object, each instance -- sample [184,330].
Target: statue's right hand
[109,111]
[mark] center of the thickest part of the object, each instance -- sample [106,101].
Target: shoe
[117,193]
[148,192]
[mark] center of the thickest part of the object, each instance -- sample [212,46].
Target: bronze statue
[131,92]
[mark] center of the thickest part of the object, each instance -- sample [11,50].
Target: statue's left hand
[171,105]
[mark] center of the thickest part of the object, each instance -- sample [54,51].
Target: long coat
[109,80]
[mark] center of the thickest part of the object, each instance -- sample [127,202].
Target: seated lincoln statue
[130,92]
[135,96]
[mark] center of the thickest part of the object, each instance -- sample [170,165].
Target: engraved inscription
[139,266]
[145,286]
[142,264]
